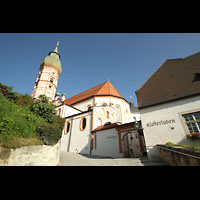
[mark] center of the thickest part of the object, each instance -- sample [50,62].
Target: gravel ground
[74,159]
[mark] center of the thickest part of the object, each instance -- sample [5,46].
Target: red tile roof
[104,89]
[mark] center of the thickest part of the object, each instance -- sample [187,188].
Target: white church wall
[83,106]
[124,107]
[67,111]
[99,116]
[164,123]
[77,140]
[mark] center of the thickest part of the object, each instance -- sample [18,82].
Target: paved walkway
[74,159]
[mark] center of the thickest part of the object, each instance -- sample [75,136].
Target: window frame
[65,131]
[193,121]
[81,122]
[107,114]
[99,119]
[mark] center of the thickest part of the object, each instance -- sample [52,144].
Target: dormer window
[196,77]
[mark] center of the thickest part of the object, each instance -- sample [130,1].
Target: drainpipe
[90,137]
[69,141]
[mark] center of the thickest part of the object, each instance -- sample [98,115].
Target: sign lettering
[162,122]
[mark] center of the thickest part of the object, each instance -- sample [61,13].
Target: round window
[83,124]
[67,127]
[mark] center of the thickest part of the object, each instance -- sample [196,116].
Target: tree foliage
[7,92]
[24,100]
[44,109]
[21,116]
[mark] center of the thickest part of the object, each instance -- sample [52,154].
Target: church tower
[47,80]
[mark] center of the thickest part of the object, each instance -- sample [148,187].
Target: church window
[83,123]
[108,115]
[67,127]
[89,107]
[51,80]
[99,122]
[50,86]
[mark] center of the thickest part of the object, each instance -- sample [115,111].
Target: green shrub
[25,100]
[24,121]
[44,109]
[16,121]
[50,134]
[8,93]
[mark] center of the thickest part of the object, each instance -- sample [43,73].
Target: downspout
[69,141]
[91,134]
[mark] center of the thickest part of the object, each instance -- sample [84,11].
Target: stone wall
[179,156]
[40,155]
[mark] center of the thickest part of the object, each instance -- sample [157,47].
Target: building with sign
[169,104]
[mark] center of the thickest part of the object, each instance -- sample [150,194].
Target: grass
[18,125]
[186,146]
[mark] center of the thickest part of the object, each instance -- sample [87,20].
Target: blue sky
[89,59]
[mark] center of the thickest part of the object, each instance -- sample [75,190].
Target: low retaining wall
[179,156]
[40,155]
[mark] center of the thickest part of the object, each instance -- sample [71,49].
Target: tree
[43,108]
[8,93]
[25,100]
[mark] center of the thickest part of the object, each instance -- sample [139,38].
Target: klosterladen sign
[162,122]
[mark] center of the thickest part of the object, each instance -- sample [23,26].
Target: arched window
[89,107]
[104,104]
[83,123]
[51,80]
[107,114]
[67,128]
[99,122]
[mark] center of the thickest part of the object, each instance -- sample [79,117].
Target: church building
[89,113]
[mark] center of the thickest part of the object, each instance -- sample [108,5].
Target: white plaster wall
[68,111]
[80,140]
[171,132]
[40,155]
[107,144]
[83,105]
[135,115]
[125,108]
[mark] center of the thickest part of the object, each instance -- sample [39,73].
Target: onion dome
[57,94]
[53,59]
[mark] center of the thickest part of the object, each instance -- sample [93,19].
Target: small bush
[44,109]
[50,134]
[25,100]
